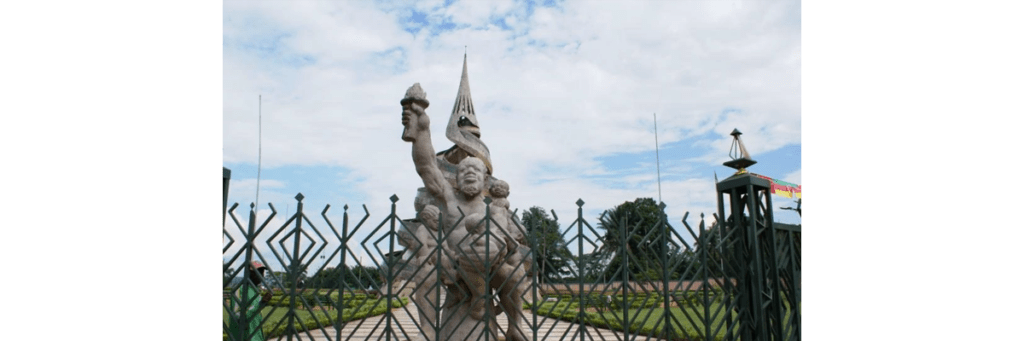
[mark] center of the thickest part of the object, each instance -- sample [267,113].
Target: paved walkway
[373,328]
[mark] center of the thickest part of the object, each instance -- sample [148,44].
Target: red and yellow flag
[782,188]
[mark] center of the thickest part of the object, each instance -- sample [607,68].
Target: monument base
[459,325]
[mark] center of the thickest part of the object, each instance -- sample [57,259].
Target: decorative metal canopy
[740,157]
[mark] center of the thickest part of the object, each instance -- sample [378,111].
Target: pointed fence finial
[738,152]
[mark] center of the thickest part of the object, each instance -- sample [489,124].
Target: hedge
[646,310]
[355,309]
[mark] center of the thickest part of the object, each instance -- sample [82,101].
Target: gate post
[224,211]
[749,225]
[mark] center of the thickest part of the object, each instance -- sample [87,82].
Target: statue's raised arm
[417,131]
[483,250]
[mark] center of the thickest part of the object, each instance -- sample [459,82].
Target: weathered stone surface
[481,240]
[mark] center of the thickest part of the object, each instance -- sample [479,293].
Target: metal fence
[641,279]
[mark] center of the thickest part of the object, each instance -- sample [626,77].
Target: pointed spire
[463,128]
[463,110]
[464,82]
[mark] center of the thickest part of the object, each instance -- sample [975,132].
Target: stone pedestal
[459,325]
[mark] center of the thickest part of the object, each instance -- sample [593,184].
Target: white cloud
[564,86]
[793,177]
[477,13]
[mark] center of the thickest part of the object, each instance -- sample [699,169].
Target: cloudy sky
[565,94]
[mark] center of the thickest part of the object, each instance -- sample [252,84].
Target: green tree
[361,277]
[683,264]
[329,277]
[712,243]
[643,246]
[285,280]
[277,280]
[593,267]
[552,254]
[685,260]
[355,277]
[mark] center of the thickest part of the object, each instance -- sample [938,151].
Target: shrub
[645,311]
[355,309]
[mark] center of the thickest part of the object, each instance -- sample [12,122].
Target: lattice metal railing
[633,276]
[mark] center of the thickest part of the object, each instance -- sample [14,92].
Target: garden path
[372,328]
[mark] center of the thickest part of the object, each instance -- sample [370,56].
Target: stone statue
[510,279]
[463,129]
[455,203]
[499,192]
[421,262]
[471,254]
[426,260]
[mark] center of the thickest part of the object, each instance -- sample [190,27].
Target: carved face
[470,176]
[499,189]
[429,216]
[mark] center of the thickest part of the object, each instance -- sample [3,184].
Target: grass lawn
[275,319]
[647,321]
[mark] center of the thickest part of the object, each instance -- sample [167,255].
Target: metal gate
[641,279]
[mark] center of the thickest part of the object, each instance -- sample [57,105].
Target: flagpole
[658,157]
[259,160]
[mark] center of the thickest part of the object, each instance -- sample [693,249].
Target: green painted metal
[739,278]
[224,210]
[769,304]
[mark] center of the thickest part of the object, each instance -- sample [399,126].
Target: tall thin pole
[259,160]
[658,157]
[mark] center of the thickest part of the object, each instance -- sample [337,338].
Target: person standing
[245,296]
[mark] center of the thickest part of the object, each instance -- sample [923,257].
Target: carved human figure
[425,243]
[474,255]
[503,225]
[454,203]
[509,278]
[463,203]
[499,193]
[502,215]
[426,257]
[470,183]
